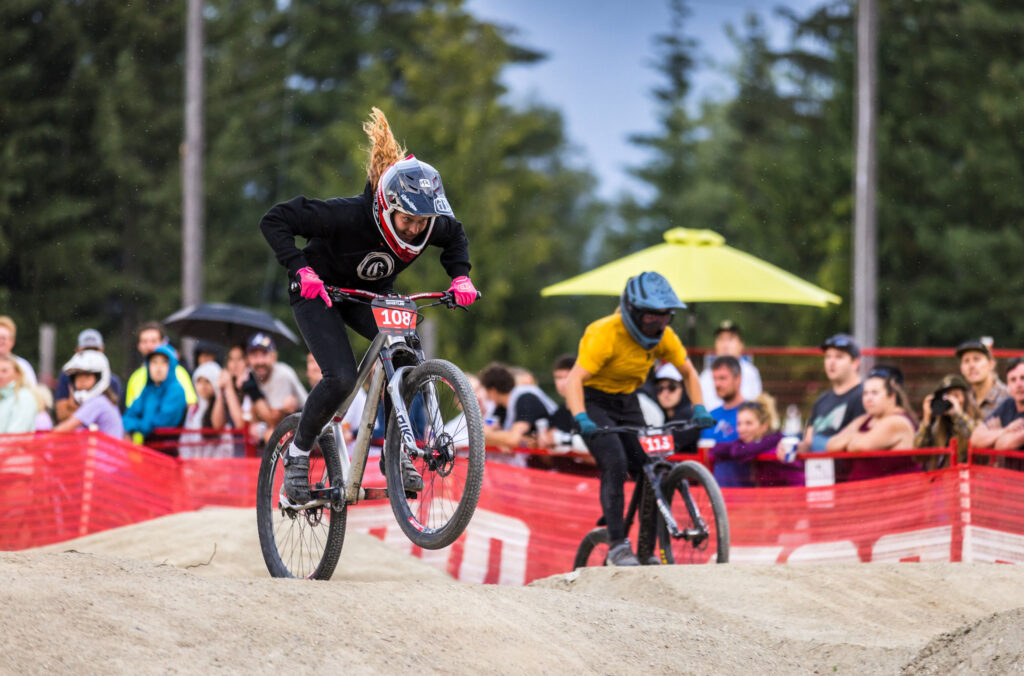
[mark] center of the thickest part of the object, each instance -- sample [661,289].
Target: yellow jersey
[616,362]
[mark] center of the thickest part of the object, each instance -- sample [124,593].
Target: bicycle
[674,502]
[305,540]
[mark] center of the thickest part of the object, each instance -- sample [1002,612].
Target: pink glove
[312,286]
[465,292]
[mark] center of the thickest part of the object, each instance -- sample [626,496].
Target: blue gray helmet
[648,304]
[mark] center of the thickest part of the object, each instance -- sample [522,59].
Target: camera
[940,405]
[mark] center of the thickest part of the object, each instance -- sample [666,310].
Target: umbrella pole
[691,325]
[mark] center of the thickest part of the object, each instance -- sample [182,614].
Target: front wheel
[306,542]
[449,435]
[693,496]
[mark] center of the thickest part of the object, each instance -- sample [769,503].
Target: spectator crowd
[234,398]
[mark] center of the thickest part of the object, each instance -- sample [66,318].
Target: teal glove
[586,426]
[702,417]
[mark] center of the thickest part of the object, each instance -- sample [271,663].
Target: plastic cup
[789,448]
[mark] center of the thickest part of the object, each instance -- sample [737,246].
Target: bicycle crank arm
[318,498]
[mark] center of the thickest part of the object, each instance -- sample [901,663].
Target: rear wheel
[450,455]
[593,549]
[307,542]
[709,544]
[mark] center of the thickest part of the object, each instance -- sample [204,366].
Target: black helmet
[646,294]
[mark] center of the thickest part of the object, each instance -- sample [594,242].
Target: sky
[599,69]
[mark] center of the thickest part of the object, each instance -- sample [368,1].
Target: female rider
[887,424]
[359,242]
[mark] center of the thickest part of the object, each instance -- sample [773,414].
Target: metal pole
[865,252]
[192,160]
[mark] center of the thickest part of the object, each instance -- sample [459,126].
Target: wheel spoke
[451,480]
[299,544]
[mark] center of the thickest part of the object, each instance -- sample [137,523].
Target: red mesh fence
[55,487]
[529,522]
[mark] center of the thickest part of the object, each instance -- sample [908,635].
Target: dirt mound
[868,618]
[222,542]
[150,599]
[992,645]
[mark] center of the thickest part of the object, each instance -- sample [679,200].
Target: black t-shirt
[529,409]
[832,412]
[1007,412]
[562,419]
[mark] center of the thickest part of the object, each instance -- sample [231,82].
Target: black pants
[324,331]
[615,454]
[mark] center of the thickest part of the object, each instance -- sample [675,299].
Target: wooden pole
[865,251]
[192,165]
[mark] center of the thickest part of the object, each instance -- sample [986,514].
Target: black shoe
[621,555]
[296,478]
[411,479]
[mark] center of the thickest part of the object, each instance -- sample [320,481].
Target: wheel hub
[440,456]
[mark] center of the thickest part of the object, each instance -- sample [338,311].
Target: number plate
[659,443]
[395,317]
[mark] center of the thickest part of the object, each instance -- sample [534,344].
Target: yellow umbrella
[701,268]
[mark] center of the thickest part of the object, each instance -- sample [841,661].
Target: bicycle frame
[383,350]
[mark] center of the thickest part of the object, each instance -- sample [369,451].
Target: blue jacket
[160,405]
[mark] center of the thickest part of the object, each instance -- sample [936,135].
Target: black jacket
[345,248]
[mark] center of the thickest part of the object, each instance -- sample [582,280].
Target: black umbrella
[226,324]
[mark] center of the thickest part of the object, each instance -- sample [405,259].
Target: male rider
[615,355]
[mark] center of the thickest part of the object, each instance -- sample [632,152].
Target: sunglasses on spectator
[666,387]
[837,342]
[887,373]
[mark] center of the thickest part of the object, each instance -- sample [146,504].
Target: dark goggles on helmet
[653,322]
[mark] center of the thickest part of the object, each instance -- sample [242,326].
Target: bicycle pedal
[321,493]
[411,495]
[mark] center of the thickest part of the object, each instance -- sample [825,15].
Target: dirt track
[144,599]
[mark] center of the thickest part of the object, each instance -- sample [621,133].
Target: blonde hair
[384,149]
[763,406]
[44,398]
[11,326]
[19,375]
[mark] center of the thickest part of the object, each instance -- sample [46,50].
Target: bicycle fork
[437,454]
[695,535]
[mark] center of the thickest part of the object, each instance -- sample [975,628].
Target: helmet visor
[653,323]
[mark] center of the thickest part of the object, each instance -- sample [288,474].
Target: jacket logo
[375,266]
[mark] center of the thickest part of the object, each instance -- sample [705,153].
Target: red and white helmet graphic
[412,187]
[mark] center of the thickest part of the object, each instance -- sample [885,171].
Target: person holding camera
[948,413]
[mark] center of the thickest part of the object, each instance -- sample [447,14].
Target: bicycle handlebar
[338,293]
[648,430]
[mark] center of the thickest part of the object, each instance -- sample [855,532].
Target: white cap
[668,371]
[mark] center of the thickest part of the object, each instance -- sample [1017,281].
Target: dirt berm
[155,599]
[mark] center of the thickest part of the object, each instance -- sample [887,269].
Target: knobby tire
[711,506]
[437,515]
[593,549]
[297,544]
